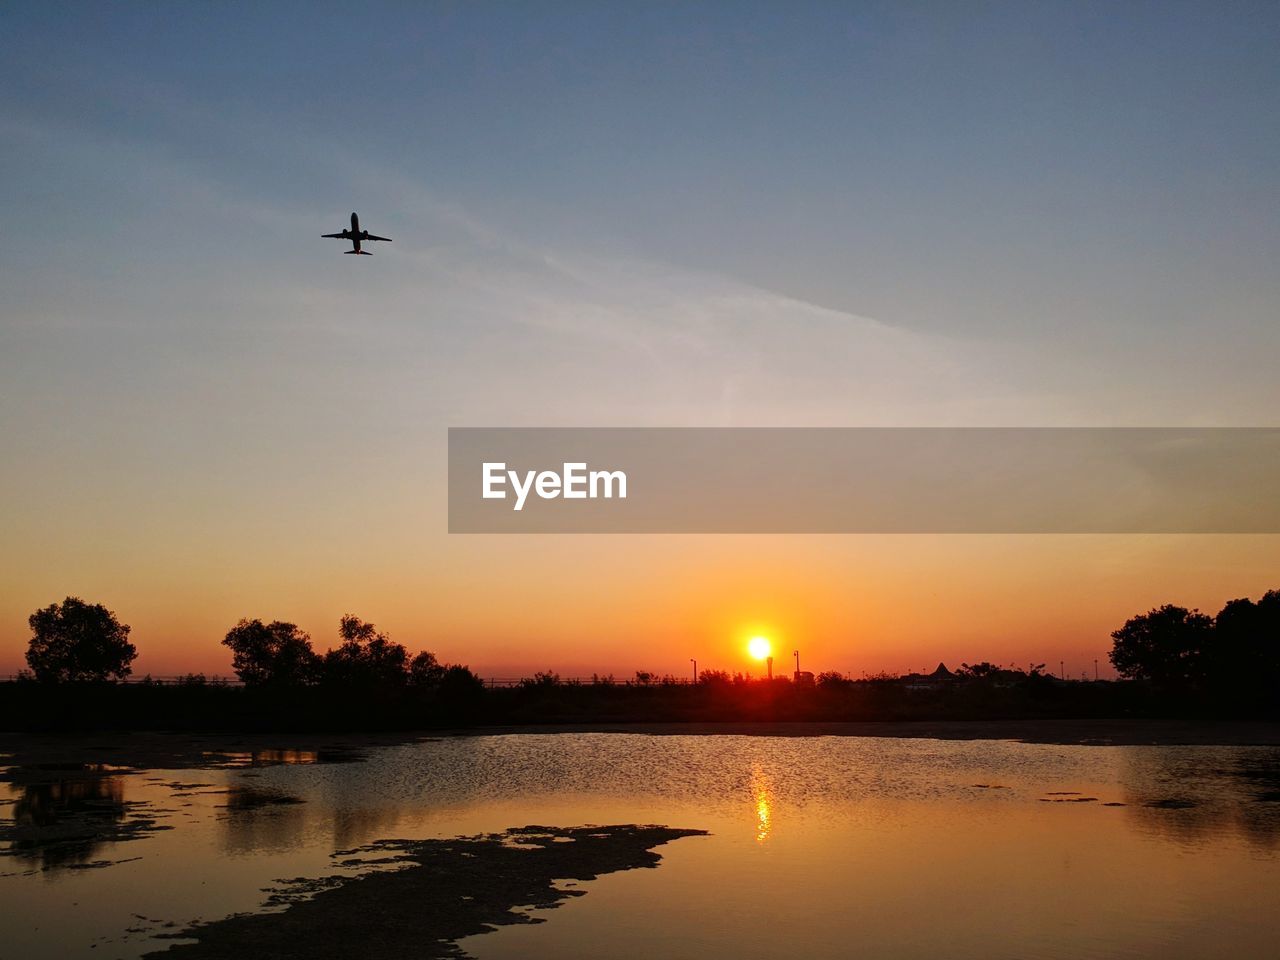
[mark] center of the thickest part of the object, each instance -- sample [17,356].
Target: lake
[816,847]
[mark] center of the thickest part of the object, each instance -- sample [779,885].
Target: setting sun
[760,647]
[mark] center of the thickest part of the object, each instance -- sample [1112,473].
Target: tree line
[1231,658]
[1233,655]
[75,641]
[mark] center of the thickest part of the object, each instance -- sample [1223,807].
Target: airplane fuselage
[355,235]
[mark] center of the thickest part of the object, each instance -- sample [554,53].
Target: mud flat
[422,896]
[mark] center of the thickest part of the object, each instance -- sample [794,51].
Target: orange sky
[616,604]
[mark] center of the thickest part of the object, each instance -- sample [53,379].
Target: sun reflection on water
[762,793]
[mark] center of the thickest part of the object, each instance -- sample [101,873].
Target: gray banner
[864,480]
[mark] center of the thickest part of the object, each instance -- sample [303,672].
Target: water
[819,847]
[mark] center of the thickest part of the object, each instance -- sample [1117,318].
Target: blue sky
[714,214]
[959,167]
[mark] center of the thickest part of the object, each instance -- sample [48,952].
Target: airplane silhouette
[355,235]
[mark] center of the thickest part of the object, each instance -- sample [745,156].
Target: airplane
[355,235]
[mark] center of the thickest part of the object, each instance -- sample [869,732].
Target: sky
[612,215]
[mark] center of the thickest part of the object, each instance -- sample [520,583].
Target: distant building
[804,678]
[941,677]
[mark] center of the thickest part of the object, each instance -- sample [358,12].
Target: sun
[760,647]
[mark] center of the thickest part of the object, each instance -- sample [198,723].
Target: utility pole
[695,669]
[796,654]
[1095,669]
[1062,671]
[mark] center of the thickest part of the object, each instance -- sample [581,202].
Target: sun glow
[760,647]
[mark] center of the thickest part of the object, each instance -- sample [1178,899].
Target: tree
[366,656]
[540,680]
[460,687]
[275,653]
[75,640]
[1167,645]
[1245,658]
[425,670]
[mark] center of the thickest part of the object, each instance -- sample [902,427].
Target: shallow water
[819,847]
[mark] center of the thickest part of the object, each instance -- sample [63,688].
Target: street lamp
[695,669]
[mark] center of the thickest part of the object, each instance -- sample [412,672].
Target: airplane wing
[372,237]
[334,236]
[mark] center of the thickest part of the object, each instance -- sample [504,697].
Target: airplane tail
[363,253]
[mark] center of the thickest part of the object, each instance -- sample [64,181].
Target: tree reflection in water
[65,821]
[1176,798]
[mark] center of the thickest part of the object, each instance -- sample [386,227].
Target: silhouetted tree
[542,678]
[1245,656]
[75,640]
[366,657]
[1167,645]
[460,686]
[425,670]
[272,653]
[881,676]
